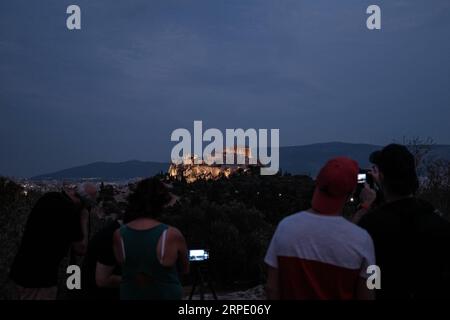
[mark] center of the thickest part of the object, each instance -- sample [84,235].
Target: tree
[420,149]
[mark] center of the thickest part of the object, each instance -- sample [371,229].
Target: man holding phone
[412,242]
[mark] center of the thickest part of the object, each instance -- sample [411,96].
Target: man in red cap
[318,254]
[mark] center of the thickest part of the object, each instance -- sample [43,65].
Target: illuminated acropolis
[192,168]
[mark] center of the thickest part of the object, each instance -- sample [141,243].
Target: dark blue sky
[139,69]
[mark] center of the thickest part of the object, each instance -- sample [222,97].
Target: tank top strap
[152,234]
[158,230]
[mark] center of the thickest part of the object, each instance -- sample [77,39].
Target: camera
[198,255]
[364,176]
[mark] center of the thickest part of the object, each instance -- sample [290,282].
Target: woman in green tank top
[148,250]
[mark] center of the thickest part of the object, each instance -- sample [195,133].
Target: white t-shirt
[319,256]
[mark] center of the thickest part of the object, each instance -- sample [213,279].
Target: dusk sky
[138,69]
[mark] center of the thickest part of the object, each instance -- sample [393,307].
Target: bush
[236,236]
[235,219]
[14,209]
[436,186]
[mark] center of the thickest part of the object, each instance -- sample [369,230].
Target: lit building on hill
[215,167]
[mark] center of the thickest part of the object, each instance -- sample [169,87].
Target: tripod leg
[202,284]
[212,289]
[194,285]
[192,292]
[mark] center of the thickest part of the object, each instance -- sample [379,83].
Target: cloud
[139,69]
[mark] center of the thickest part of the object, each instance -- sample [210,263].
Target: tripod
[201,273]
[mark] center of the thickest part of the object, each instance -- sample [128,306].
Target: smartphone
[198,255]
[362,178]
[366,177]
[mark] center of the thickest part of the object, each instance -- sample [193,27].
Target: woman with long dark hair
[151,253]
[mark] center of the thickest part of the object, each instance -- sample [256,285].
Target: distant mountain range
[306,159]
[108,171]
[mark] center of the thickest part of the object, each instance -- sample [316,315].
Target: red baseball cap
[334,184]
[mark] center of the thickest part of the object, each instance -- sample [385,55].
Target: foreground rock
[256,293]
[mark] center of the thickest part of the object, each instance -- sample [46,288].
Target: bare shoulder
[116,235]
[175,233]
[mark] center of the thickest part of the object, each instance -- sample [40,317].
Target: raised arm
[118,247]
[182,252]
[80,247]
